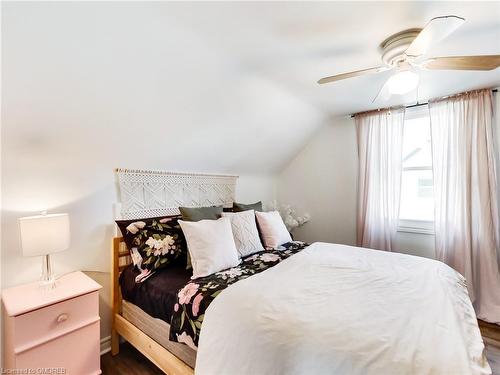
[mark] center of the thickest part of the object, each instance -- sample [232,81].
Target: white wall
[322,180]
[88,87]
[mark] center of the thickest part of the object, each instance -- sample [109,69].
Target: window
[416,210]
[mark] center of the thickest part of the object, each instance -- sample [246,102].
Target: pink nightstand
[56,329]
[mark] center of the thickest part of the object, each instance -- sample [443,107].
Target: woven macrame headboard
[145,194]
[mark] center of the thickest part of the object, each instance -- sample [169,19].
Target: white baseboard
[105,345]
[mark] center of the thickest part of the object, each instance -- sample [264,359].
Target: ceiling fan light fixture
[402,82]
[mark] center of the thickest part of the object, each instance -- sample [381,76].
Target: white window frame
[416,226]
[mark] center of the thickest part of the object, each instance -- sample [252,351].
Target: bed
[323,308]
[147,334]
[148,193]
[150,305]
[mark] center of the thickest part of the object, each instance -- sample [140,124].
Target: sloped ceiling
[190,86]
[296,43]
[93,86]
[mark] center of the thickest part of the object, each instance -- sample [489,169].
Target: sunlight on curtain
[465,186]
[380,139]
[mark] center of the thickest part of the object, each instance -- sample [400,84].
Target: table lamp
[43,235]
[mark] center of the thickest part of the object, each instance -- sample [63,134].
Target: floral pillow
[153,243]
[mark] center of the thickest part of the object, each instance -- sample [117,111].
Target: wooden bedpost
[115,294]
[122,328]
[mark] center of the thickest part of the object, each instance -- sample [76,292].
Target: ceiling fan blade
[384,92]
[436,29]
[487,62]
[356,73]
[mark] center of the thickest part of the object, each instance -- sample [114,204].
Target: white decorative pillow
[245,233]
[272,228]
[210,245]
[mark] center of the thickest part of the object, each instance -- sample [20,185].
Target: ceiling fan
[404,53]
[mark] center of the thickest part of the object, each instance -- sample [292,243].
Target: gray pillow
[238,207]
[200,213]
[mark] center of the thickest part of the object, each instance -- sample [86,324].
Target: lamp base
[47,279]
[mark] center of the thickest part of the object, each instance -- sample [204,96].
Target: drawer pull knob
[62,318]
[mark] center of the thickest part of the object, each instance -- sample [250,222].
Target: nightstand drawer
[74,354]
[42,325]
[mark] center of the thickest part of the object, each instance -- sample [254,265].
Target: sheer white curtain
[465,188]
[380,140]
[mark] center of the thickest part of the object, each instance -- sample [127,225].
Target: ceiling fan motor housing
[394,47]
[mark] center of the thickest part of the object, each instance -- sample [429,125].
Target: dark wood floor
[128,362]
[491,338]
[490,331]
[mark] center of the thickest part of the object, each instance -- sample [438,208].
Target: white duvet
[335,309]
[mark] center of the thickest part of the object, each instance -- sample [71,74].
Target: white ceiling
[191,78]
[294,44]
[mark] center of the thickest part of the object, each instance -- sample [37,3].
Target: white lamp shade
[44,234]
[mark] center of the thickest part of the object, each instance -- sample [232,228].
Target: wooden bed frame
[142,194]
[156,353]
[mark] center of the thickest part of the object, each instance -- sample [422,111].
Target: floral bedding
[153,243]
[195,297]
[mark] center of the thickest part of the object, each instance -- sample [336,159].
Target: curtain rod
[414,105]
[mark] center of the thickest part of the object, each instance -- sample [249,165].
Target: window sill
[429,232]
[416,226]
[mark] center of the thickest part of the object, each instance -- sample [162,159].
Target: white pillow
[245,233]
[210,245]
[272,228]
